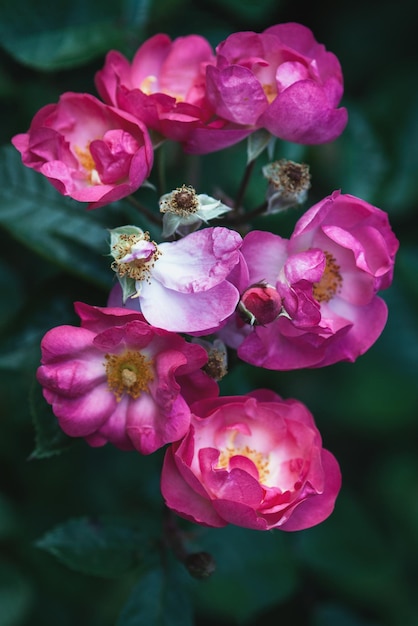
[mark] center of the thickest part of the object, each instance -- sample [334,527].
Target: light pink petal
[199,261]
[265,254]
[188,312]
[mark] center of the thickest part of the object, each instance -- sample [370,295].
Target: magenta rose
[117,379]
[281,80]
[89,151]
[164,86]
[341,253]
[256,461]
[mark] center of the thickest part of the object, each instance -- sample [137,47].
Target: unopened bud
[288,184]
[260,304]
[200,564]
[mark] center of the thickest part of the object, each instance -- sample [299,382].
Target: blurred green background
[360,567]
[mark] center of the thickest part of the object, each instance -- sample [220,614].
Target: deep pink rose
[255,461]
[281,80]
[89,151]
[164,86]
[117,379]
[341,253]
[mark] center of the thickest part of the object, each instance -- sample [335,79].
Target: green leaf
[78,32]
[234,590]
[99,547]
[49,438]
[12,286]
[257,142]
[249,12]
[15,595]
[349,553]
[159,599]
[332,614]
[54,226]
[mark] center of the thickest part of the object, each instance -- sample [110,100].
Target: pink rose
[89,151]
[340,254]
[255,461]
[164,86]
[281,80]
[117,379]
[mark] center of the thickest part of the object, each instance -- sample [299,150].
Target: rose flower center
[331,280]
[135,256]
[150,85]
[260,460]
[87,163]
[130,372]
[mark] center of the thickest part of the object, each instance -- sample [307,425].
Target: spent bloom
[255,461]
[184,210]
[188,278]
[288,184]
[117,379]
[89,151]
[164,86]
[282,80]
[341,253]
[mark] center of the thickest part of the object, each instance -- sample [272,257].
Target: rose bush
[255,461]
[117,379]
[342,251]
[89,151]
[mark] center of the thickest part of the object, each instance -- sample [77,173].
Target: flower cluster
[98,152]
[144,371]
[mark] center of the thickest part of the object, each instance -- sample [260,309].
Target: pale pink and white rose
[182,286]
[341,253]
[117,379]
[255,461]
[87,150]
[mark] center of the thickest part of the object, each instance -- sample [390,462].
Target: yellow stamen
[138,269]
[130,372]
[87,162]
[331,281]
[270,92]
[260,460]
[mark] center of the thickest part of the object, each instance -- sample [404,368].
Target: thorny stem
[244,184]
[154,219]
[174,536]
[242,218]
[200,565]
